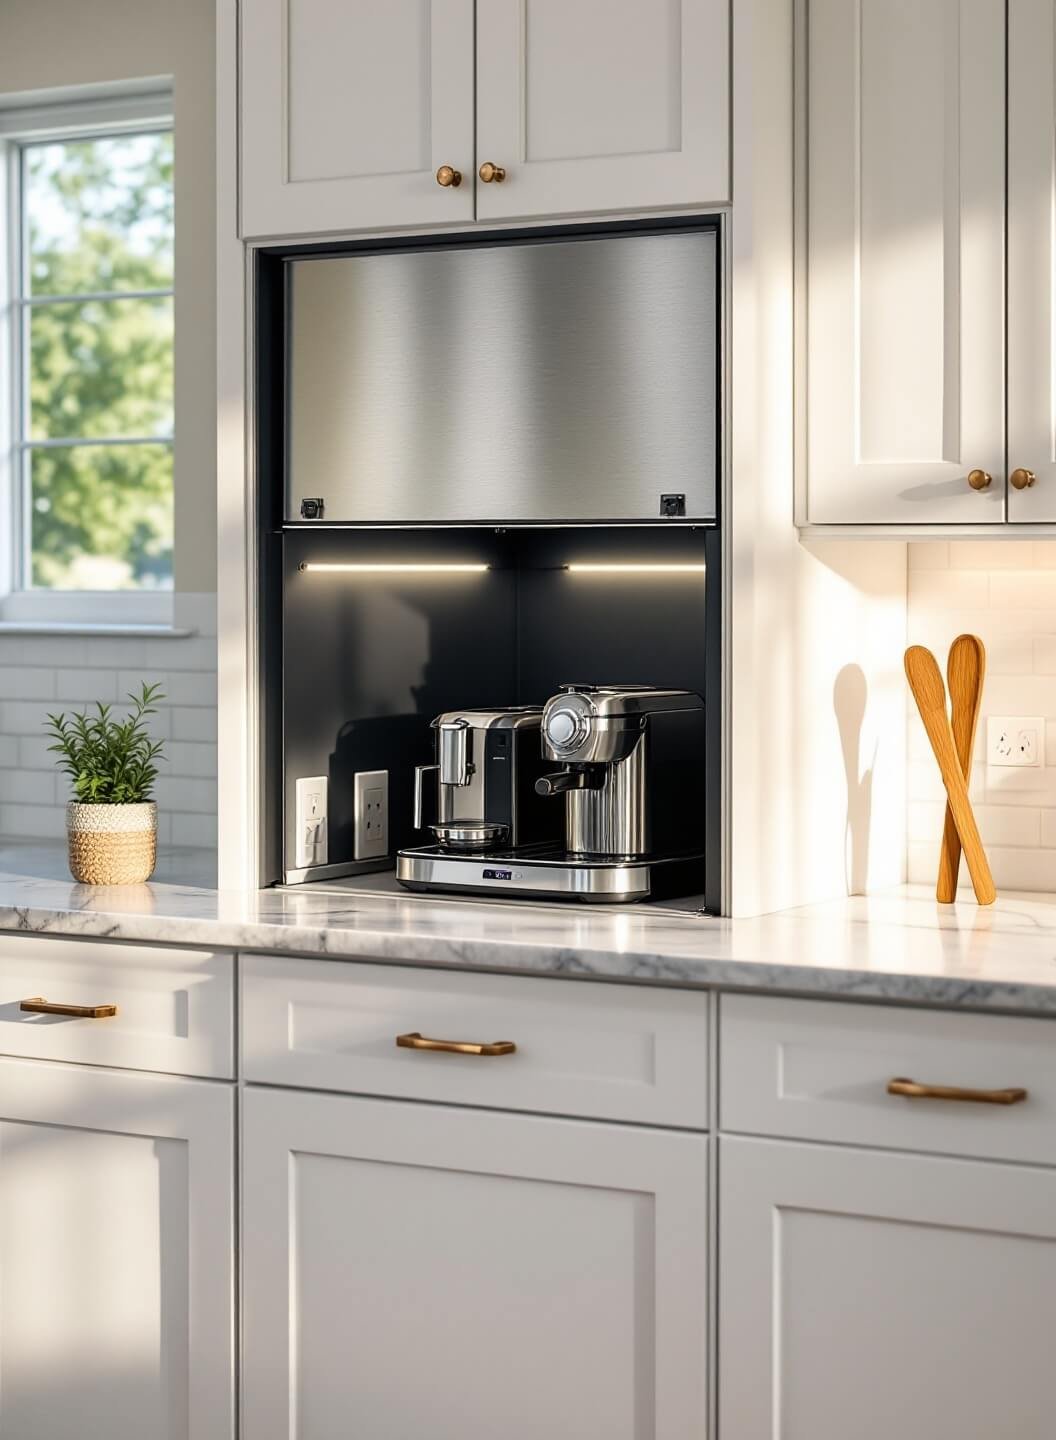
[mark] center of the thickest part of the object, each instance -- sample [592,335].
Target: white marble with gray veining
[899,945]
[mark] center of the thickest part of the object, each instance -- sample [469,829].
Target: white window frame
[88,112]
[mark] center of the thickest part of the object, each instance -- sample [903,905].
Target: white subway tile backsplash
[198,796]
[62,672]
[947,590]
[989,554]
[1023,589]
[25,682]
[193,724]
[32,822]
[195,653]
[929,555]
[197,830]
[85,686]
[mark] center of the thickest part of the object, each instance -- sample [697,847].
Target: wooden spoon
[965,672]
[925,681]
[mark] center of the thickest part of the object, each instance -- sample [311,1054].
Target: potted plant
[112,822]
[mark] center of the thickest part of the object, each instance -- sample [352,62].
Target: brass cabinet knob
[980,479]
[448,176]
[489,172]
[1022,479]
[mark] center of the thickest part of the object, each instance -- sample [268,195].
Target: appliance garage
[491,564]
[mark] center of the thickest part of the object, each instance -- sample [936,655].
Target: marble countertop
[898,945]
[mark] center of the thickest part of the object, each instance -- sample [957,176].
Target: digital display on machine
[498,874]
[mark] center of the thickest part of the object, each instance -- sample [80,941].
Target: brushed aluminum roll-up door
[556,380]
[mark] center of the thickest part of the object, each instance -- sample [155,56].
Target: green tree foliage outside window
[99,219]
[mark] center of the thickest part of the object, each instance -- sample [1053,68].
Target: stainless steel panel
[613,820]
[562,380]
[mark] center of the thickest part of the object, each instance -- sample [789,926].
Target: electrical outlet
[371,814]
[1015,740]
[310,820]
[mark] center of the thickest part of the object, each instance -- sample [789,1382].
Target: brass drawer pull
[39,1006]
[414,1041]
[914,1090]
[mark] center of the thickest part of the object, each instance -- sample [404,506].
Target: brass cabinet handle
[490,173]
[980,479]
[1022,479]
[39,1006]
[914,1090]
[447,175]
[414,1041]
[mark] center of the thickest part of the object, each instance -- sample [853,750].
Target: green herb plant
[110,761]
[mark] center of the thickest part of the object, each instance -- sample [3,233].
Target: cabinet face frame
[58,1097]
[670,1166]
[1032,258]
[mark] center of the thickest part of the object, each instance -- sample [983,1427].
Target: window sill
[57,627]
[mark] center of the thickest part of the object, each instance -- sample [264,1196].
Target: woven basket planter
[112,844]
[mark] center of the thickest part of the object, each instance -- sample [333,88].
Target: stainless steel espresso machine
[628,798]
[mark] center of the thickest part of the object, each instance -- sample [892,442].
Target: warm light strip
[620,569]
[386,569]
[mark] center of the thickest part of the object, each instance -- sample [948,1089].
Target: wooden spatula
[965,672]
[925,681]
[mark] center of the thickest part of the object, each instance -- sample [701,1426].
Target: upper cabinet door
[1031,260]
[905,261]
[349,110]
[592,105]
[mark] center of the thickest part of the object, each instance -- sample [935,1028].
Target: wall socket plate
[311,821]
[371,814]
[1015,740]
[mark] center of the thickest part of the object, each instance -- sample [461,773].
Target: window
[90,487]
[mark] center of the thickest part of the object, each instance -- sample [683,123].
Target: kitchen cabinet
[348,111]
[878,1294]
[542,107]
[116,1255]
[905,269]
[594,105]
[1031,260]
[427,1269]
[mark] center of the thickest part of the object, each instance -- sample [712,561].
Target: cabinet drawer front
[611,1052]
[174,1008]
[819,1070]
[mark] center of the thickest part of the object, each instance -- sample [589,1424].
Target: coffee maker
[628,798]
[487,765]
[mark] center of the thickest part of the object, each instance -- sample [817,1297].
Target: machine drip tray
[549,873]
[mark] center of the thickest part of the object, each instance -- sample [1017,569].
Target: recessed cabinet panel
[905,283]
[425,1270]
[116,1265]
[880,1295]
[1032,260]
[349,109]
[592,105]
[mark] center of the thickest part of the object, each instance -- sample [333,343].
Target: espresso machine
[626,806]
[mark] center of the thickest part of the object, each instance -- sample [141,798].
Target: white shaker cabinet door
[594,105]
[905,194]
[884,1296]
[1032,260]
[116,1258]
[423,1270]
[349,108]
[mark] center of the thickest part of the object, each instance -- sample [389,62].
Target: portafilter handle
[564,780]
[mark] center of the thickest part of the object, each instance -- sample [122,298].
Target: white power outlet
[371,814]
[1015,740]
[310,819]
